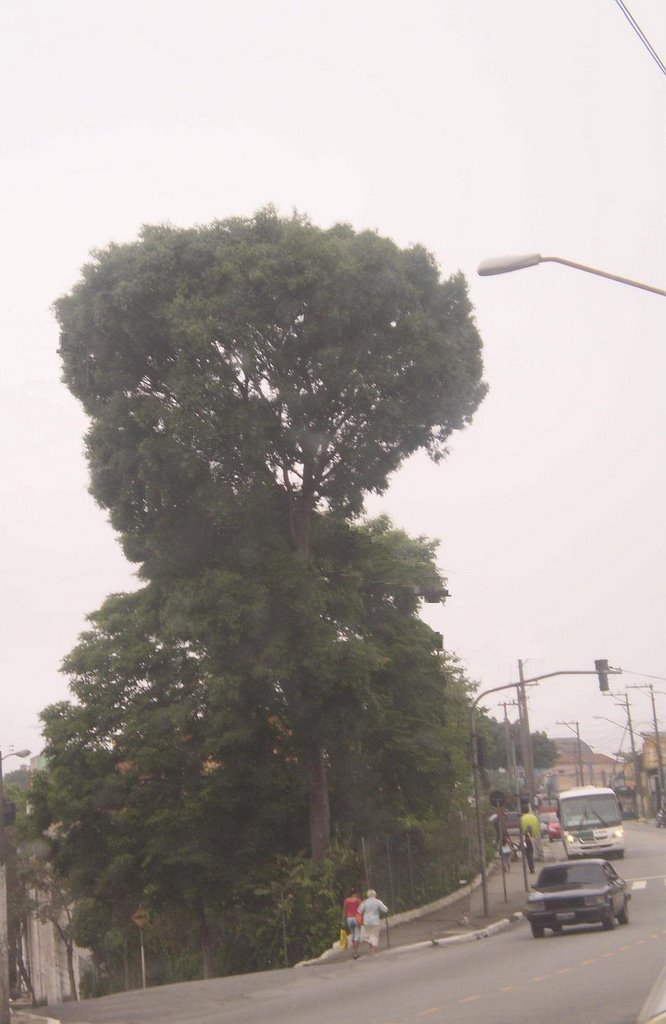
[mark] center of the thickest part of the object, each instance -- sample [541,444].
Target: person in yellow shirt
[530,820]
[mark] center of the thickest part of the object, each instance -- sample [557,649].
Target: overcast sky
[474,127]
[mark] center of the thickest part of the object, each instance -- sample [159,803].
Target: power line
[644,675]
[641,35]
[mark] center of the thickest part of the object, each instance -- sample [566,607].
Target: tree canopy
[262,352]
[544,750]
[271,684]
[248,383]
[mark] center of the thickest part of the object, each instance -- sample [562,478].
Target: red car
[550,826]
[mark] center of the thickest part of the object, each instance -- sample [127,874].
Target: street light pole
[477,789]
[507,264]
[4,932]
[510,749]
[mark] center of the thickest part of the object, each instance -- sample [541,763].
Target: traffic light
[601,665]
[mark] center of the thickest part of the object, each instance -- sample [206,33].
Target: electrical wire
[643,675]
[641,35]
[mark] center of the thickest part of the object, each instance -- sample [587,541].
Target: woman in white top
[371,908]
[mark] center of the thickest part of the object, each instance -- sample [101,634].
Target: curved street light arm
[604,273]
[507,264]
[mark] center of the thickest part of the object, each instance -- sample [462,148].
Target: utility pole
[580,777]
[526,736]
[634,755]
[511,766]
[657,740]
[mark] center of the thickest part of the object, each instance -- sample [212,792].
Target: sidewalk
[458,917]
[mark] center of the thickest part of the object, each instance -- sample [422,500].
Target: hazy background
[475,127]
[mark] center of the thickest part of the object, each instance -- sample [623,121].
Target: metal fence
[410,868]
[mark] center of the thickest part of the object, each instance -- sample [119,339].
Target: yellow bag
[343,939]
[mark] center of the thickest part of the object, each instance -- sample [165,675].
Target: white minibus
[591,823]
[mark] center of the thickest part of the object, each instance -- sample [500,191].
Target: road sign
[140,918]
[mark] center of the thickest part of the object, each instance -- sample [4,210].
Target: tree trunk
[73,994]
[320,812]
[68,943]
[23,972]
[300,515]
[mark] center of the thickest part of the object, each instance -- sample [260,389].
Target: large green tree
[175,772]
[544,750]
[261,371]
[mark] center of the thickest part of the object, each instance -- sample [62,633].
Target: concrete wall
[46,959]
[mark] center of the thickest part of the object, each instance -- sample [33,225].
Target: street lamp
[4,937]
[507,264]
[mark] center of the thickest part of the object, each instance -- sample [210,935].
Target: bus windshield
[600,809]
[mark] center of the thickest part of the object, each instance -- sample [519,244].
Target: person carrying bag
[352,921]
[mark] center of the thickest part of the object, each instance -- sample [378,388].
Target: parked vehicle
[550,826]
[591,823]
[590,892]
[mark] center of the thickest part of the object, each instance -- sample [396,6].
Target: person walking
[528,847]
[506,851]
[372,908]
[351,920]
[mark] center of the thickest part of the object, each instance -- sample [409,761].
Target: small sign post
[140,919]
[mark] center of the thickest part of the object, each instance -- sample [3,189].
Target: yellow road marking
[469,999]
[426,1013]
[604,956]
[586,963]
[542,978]
[508,988]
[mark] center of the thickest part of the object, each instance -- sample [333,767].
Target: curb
[456,940]
[449,940]
[24,1017]
[408,915]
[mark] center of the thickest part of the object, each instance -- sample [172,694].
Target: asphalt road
[585,975]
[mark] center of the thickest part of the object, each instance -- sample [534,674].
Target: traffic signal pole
[474,744]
